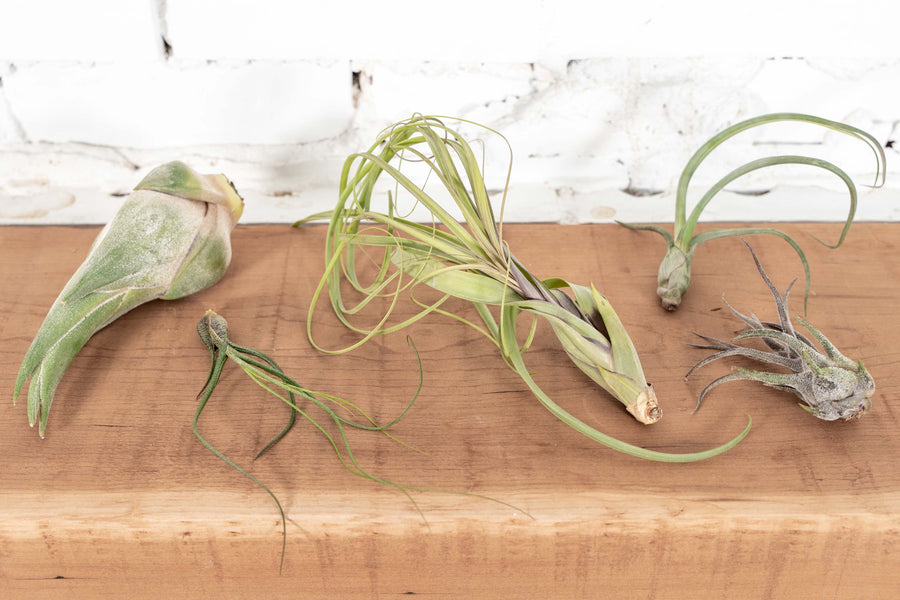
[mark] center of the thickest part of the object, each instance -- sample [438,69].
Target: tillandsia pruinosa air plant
[469,259]
[674,275]
[265,372]
[170,238]
[831,385]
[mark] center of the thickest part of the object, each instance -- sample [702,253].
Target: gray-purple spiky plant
[831,385]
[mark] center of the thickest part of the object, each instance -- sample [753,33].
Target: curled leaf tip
[178,179]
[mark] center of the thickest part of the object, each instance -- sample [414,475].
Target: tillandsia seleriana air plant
[265,372]
[170,238]
[674,275]
[466,257]
[830,385]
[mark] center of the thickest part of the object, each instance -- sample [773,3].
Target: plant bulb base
[646,408]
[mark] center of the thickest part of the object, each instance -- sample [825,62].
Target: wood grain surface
[121,501]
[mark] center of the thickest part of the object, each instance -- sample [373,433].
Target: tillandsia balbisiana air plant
[265,372]
[469,259]
[170,238]
[674,275]
[831,385]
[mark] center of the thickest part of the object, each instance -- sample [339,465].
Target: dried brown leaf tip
[830,385]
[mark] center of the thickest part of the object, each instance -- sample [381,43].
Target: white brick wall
[80,30]
[152,105]
[602,103]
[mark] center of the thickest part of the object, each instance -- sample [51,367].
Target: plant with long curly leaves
[470,260]
[674,275]
[265,372]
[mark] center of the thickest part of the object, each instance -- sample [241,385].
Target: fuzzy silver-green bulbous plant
[170,238]
[674,275]
[830,385]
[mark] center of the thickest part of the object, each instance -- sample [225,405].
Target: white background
[602,102]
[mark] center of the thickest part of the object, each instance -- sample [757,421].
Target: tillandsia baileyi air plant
[674,275]
[469,259]
[265,372]
[170,238]
[213,331]
[830,385]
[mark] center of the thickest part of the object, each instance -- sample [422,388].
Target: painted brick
[271,29]
[832,87]
[526,30]
[86,30]
[396,90]
[10,131]
[171,104]
[589,136]
[627,123]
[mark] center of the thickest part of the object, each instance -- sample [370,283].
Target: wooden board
[120,500]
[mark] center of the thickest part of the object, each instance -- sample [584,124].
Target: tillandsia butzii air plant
[674,275]
[265,372]
[469,259]
[170,238]
[830,385]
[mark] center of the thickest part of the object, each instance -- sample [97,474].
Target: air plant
[674,275]
[831,385]
[265,372]
[170,238]
[470,260]
[213,331]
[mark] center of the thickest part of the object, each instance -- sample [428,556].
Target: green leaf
[454,280]
[511,349]
[722,233]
